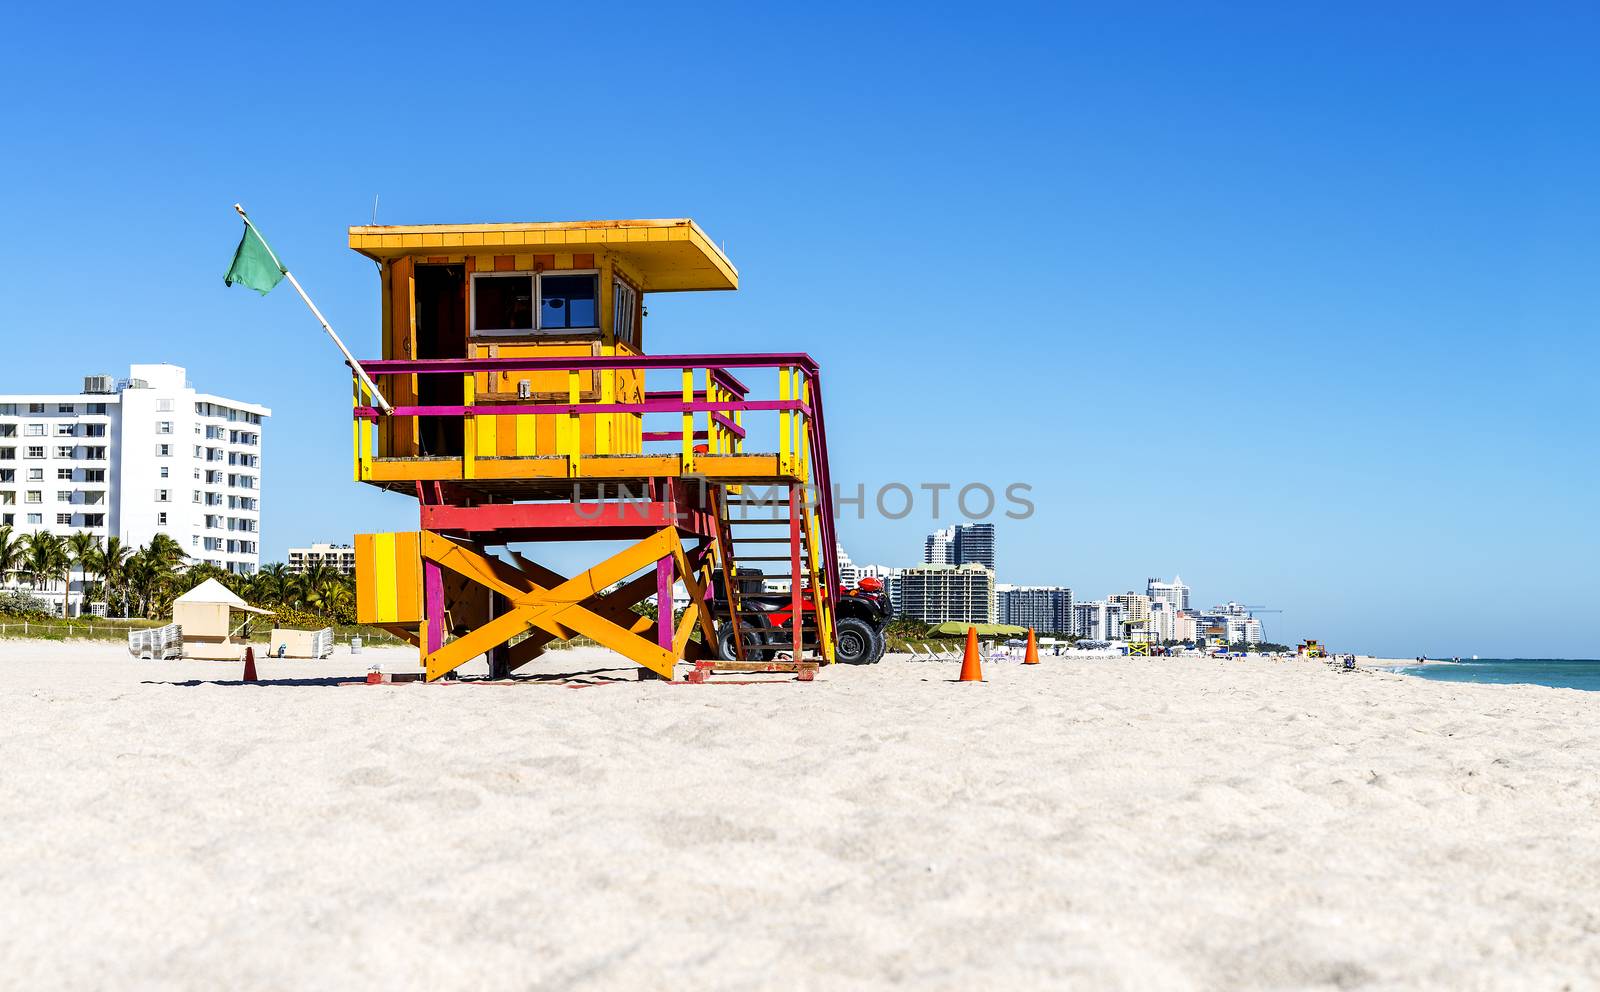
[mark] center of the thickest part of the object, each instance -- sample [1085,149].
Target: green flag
[254,264]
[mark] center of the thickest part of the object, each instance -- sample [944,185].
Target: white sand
[1129,824]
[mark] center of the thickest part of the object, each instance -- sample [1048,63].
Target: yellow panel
[523,263]
[411,240]
[450,240]
[383,594]
[527,435]
[563,260]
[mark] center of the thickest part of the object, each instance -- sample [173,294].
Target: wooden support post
[431,637]
[664,602]
[500,654]
[796,615]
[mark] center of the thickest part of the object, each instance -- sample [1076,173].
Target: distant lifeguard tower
[527,412]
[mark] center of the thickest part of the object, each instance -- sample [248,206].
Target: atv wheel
[752,637]
[855,643]
[880,644]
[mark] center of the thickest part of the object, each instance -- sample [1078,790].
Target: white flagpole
[349,359]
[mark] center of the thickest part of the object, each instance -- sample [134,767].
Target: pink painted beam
[432,366]
[539,409]
[506,516]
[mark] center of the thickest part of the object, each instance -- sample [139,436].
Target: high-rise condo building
[975,545]
[961,544]
[939,593]
[1046,609]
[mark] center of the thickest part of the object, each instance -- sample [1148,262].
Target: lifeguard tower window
[502,303]
[624,310]
[567,301]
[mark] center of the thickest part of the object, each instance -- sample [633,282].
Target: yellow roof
[671,255]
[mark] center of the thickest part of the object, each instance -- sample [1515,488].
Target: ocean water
[1562,673]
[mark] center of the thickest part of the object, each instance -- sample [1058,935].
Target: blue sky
[1298,303]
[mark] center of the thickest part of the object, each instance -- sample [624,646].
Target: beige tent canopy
[213,592]
[202,612]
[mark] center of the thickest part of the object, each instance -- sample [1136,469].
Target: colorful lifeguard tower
[526,412]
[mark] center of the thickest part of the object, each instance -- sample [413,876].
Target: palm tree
[147,577]
[330,592]
[271,584]
[10,553]
[166,552]
[84,547]
[46,562]
[112,564]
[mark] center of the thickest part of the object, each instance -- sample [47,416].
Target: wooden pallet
[803,671]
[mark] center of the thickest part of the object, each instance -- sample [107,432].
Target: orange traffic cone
[250,664]
[1031,657]
[971,669]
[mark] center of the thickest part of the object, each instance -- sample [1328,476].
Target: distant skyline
[1302,300]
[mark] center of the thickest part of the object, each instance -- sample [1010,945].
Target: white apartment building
[1089,621]
[131,458]
[1174,592]
[339,557]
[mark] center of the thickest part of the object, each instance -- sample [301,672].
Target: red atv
[765,621]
